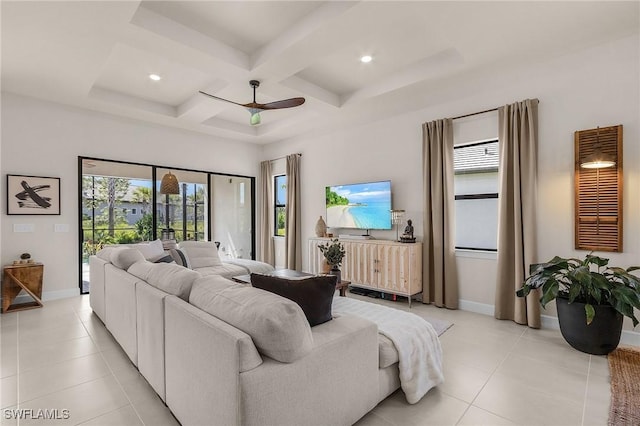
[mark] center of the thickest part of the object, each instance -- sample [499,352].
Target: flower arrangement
[333,252]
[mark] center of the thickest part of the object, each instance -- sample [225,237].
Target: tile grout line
[489,378]
[586,390]
[18,402]
[18,365]
[126,395]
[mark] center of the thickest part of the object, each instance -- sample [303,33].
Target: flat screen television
[359,205]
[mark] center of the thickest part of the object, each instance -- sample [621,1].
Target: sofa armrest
[339,379]
[150,332]
[203,358]
[120,309]
[96,278]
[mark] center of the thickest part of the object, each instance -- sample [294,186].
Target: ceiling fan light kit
[255,117]
[255,108]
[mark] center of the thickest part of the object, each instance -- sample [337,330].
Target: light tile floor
[497,373]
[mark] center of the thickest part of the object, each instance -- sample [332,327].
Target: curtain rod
[485,111]
[285,156]
[475,113]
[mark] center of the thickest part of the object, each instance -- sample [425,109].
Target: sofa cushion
[313,294]
[125,257]
[201,254]
[276,325]
[168,277]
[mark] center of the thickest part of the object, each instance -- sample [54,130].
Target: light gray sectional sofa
[218,352]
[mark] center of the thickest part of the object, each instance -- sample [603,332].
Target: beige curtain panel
[518,140]
[293,248]
[440,282]
[266,213]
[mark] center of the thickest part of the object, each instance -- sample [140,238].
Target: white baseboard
[631,338]
[479,308]
[628,337]
[49,295]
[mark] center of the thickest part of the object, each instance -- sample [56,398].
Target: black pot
[598,338]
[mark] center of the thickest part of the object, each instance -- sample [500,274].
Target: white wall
[44,139]
[595,87]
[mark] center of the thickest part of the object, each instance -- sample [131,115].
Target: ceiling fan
[255,108]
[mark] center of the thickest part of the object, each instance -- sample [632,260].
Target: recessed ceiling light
[366,59]
[154,77]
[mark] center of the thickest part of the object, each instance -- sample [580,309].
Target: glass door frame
[154,197]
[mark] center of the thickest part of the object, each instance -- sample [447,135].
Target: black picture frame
[33,195]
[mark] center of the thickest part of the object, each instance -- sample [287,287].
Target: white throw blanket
[417,343]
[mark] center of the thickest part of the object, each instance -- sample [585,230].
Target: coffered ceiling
[99,55]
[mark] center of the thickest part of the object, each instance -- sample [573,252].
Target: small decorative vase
[321,227]
[326,268]
[336,271]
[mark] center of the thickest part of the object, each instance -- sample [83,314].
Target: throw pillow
[180,258]
[313,294]
[201,254]
[164,259]
[151,250]
[125,257]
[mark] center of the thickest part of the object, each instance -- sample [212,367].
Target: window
[476,195]
[128,207]
[280,197]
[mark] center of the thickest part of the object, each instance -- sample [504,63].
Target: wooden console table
[27,277]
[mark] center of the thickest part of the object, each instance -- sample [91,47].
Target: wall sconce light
[598,189]
[169,185]
[396,219]
[598,159]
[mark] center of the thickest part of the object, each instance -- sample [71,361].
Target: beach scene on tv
[364,206]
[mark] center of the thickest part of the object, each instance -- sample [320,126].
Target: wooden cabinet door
[394,268]
[359,266]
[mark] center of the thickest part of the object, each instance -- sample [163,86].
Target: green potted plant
[333,252]
[591,298]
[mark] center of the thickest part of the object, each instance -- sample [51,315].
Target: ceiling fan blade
[287,103]
[220,99]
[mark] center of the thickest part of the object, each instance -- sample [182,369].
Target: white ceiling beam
[198,107]
[272,126]
[301,29]
[304,86]
[165,27]
[430,67]
[131,102]
[230,126]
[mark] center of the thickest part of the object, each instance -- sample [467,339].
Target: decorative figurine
[407,235]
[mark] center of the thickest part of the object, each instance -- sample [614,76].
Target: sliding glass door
[123,203]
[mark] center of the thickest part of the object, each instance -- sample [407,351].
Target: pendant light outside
[169,184]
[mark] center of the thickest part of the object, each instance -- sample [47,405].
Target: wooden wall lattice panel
[598,192]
